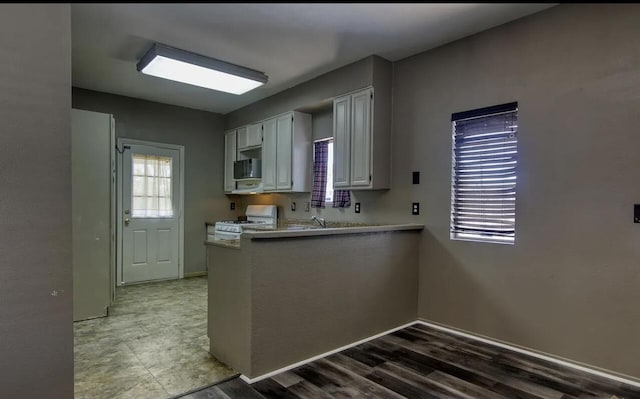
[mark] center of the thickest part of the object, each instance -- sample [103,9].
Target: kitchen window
[328,196]
[322,192]
[483,177]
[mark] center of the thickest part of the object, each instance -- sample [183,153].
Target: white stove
[257,215]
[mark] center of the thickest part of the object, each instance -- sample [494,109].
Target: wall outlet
[307,207]
[293,206]
[233,206]
[416,177]
[356,207]
[415,208]
[636,213]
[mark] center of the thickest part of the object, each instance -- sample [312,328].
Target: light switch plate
[233,206]
[415,177]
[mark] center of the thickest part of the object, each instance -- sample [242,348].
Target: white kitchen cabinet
[361,138]
[341,141]
[242,134]
[287,138]
[254,135]
[250,136]
[230,155]
[284,152]
[361,149]
[269,151]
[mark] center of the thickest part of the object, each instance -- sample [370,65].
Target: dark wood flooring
[421,362]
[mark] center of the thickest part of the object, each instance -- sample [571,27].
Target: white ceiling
[291,43]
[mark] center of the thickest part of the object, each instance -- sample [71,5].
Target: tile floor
[153,345]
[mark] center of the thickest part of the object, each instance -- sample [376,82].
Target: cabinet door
[341,141]
[229,157]
[361,138]
[284,131]
[254,135]
[243,138]
[269,147]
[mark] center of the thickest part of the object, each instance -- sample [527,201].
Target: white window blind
[151,186]
[483,187]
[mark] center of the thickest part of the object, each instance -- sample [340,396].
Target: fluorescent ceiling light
[195,69]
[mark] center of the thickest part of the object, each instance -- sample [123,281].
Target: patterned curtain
[341,199]
[320,160]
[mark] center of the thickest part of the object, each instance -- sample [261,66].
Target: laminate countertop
[290,230]
[293,231]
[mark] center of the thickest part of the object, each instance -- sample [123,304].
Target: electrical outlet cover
[415,208]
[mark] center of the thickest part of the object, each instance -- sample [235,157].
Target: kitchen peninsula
[281,296]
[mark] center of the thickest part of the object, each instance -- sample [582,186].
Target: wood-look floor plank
[431,388]
[306,390]
[463,386]
[209,393]
[469,369]
[348,384]
[397,385]
[287,378]
[239,389]
[271,389]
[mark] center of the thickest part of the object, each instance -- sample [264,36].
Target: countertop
[288,232]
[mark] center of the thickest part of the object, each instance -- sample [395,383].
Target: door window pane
[151,186]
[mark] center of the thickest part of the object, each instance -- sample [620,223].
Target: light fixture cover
[195,69]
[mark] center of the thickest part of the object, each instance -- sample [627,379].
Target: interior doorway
[150,211]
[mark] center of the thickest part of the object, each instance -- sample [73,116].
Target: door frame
[121,142]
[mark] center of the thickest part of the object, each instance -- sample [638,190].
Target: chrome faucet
[320,221]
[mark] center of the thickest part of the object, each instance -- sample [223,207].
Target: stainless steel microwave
[247,169]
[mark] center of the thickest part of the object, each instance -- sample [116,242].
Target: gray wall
[36,335]
[201,134]
[570,284]
[351,77]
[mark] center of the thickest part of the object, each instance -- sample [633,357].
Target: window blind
[483,187]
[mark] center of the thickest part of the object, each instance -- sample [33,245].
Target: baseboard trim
[195,274]
[320,356]
[629,380]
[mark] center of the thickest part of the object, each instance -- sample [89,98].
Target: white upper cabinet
[254,135]
[243,137]
[286,153]
[230,155]
[269,149]
[361,138]
[361,149]
[341,141]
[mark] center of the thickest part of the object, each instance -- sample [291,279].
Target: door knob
[127,221]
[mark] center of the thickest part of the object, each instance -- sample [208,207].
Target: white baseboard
[550,358]
[320,356]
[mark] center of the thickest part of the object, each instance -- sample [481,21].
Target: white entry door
[151,209]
